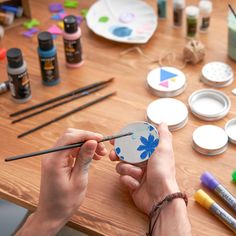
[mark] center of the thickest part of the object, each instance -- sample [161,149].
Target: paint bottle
[205,9]
[72,45]
[162,9]
[6,18]
[178,9]
[192,13]
[231,36]
[18,76]
[48,59]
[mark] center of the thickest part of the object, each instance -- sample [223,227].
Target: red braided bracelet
[156,209]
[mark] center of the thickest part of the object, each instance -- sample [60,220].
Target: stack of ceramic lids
[166,82]
[168,110]
[217,74]
[209,104]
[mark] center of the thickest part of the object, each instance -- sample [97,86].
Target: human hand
[150,184]
[64,180]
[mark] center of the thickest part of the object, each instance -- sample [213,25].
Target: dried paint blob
[126,17]
[103,19]
[121,31]
[138,147]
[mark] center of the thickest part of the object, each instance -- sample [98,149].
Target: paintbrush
[232,10]
[77,96]
[79,90]
[60,148]
[67,114]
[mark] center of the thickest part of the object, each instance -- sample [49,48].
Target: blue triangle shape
[165,75]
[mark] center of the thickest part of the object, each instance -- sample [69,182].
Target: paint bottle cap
[45,41]
[234,176]
[2,53]
[209,104]
[205,6]
[179,4]
[203,199]
[217,74]
[14,58]
[208,180]
[166,81]
[192,11]
[210,140]
[230,129]
[70,24]
[138,147]
[168,110]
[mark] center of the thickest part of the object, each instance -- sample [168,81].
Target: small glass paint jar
[205,9]
[48,59]
[6,18]
[72,44]
[18,76]
[192,13]
[178,9]
[231,36]
[162,9]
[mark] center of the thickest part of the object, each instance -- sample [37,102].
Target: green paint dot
[84,12]
[103,19]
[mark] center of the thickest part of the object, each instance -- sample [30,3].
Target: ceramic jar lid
[230,129]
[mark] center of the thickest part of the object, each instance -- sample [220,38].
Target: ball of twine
[194,52]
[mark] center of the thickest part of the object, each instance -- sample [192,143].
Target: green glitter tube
[234,176]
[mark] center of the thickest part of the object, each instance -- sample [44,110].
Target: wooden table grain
[108,208]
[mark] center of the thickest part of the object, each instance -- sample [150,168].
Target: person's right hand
[154,182]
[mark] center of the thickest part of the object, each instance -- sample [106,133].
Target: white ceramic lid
[166,80]
[230,129]
[168,110]
[209,104]
[210,138]
[139,146]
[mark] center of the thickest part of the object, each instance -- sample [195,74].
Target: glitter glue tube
[210,182]
[4,87]
[72,45]
[48,59]
[234,176]
[162,8]
[178,9]
[204,200]
[6,18]
[18,76]
[205,9]
[192,13]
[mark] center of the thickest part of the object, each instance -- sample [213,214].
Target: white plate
[134,20]
[139,146]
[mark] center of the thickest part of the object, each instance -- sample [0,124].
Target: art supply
[230,129]
[138,147]
[210,140]
[18,76]
[234,176]
[48,59]
[66,147]
[55,7]
[4,87]
[168,110]
[70,99]
[212,183]
[166,81]
[72,44]
[58,98]
[217,74]
[1,32]
[6,18]
[30,33]
[71,3]
[209,104]
[162,9]
[55,30]
[3,52]
[17,11]
[88,104]
[192,13]
[232,34]
[31,23]
[207,202]
[178,11]
[205,9]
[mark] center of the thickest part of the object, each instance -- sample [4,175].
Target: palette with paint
[140,145]
[132,21]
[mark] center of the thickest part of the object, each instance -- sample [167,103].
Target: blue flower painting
[148,146]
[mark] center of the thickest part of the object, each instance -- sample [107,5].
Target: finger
[112,142]
[97,157]
[131,183]
[130,170]
[101,149]
[113,156]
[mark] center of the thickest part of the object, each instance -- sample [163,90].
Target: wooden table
[108,208]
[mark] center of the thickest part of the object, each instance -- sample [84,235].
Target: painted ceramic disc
[166,81]
[139,146]
[132,21]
